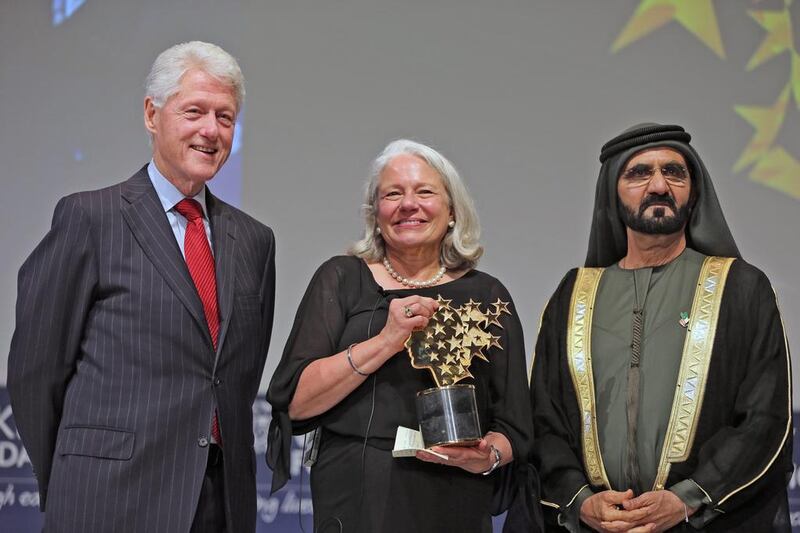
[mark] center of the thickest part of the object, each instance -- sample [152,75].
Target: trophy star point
[501,307]
[443,302]
[495,342]
[492,319]
[474,348]
[455,344]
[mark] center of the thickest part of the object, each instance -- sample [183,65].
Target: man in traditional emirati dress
[661,380]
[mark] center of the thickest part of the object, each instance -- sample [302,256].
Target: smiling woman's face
[413,206]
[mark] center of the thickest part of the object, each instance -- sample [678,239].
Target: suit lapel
[145,217]
[223,235]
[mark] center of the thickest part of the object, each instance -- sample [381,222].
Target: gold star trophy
[448,412]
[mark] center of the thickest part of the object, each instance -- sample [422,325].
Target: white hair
[460,246]
[171,64]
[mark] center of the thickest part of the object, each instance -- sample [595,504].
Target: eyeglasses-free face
[413,206]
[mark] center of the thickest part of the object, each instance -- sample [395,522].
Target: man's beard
[659,223]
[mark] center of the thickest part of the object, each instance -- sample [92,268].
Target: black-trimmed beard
[659,223]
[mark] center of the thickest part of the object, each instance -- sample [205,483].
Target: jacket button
[217,382]
[202,442]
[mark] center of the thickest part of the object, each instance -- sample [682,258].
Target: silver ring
[407,311]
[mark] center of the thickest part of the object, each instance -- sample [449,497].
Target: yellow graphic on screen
[780,170]
[697,16]
[767,122]
[770,163]
[778,26]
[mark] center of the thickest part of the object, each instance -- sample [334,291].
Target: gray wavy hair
[165,74]
[460,248]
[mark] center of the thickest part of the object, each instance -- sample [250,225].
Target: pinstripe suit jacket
[112,374]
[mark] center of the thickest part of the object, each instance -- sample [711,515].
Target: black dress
[358,486]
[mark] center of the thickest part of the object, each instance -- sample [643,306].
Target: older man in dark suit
[143,322]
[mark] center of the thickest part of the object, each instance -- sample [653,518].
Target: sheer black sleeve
[510,412]
[315,334]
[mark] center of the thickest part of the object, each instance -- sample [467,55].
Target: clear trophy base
[448,416]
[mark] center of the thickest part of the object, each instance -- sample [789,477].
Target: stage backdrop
[519,94]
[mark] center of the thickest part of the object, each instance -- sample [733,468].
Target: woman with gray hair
[344,371]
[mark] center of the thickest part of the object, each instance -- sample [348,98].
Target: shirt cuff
[695,497]
[570,517]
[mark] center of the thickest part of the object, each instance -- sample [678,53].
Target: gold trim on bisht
[695,361]
[579,356]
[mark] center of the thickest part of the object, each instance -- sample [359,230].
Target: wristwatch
[498,457]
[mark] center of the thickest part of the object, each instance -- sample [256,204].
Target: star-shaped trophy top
[453,337]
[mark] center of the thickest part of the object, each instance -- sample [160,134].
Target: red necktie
[201,267]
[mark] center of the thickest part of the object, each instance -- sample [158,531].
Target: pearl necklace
[412,282]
